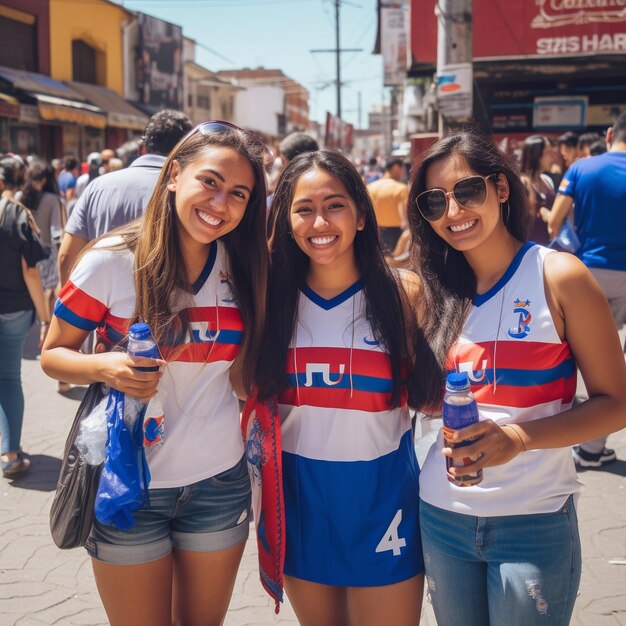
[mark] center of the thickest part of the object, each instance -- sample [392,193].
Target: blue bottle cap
[140,330]
[457,381]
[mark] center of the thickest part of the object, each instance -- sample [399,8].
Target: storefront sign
[29,114]
[454,91]
[504,29]
[557,112]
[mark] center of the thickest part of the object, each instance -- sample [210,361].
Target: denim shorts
[207,516]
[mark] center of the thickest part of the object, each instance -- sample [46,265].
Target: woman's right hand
[119,370]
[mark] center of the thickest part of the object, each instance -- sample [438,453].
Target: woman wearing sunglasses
[194,267]
[333,354]
[517,318]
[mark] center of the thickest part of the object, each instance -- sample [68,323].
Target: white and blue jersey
[350,476]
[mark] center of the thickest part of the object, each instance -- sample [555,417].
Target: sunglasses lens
[215,127]
[471,193]
[432,204]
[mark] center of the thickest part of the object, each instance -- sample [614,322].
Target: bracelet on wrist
[514,429]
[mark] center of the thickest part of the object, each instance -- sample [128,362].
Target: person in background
[194,267]
[115,164]
[105,160]
[94,161]
[584,144]
[568,147]
[120,197]
[67,182]
[389,196]
[597,189]
[21,294]
[333,355]
[517,318]
[597,147]
[41,196]
[537,159]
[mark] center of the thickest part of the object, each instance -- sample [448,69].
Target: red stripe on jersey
[229,316]
[510,354]
[364,362]
[339,399]
[82,304]
[208,352]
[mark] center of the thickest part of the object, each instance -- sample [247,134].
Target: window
[204,102]
[84,62]
[19,44]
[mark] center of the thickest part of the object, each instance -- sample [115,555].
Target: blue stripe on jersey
[530,378]
[327,305]
[359,382]
[65,314]
[224,336]
[338,513]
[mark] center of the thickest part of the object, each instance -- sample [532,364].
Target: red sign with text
[538,28]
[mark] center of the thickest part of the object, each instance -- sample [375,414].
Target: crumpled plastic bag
[125,477]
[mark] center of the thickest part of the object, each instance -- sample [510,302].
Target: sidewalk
[40,584]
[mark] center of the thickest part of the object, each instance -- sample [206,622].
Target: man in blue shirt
[596,186]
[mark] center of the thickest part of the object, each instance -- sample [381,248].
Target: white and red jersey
[520,370]
[350,476]
[202,432]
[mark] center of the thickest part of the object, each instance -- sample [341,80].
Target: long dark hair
[448,282]
[532,150]
[35,172]
[289,265]
[160,269]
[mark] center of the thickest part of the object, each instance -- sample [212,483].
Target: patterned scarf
[260,424]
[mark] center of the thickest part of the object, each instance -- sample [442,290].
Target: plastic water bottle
[142,343]
[459,410]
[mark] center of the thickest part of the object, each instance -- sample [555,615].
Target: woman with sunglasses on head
[334,353]
[517,318]
[194,267]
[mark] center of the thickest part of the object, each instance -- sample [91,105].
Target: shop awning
[9,106]
[55,101]
[119,112]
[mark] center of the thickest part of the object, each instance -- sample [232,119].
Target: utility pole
[454,63]
[337,50]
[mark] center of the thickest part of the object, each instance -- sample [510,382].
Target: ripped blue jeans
[514,570]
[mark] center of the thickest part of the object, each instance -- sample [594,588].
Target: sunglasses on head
[219,126]
[468,193]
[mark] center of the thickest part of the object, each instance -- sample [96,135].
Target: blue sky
[280,34]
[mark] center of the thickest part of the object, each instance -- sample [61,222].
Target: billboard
[529,28]
[338,134]
[159,63]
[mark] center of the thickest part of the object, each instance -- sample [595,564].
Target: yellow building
[86,42]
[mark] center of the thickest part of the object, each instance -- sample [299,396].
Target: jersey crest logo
[476,376]
[324,370]
[225,280]
[524,319]
[205,335]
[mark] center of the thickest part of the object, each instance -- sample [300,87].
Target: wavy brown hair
[161,284]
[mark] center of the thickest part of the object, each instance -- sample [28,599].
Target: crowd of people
[341,302]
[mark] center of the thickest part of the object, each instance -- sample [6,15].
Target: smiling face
[211,194]
[467,229]
[324,220]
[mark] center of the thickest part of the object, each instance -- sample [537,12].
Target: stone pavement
[40,584]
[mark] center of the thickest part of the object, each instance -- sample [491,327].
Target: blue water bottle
[142,343]
[459,410]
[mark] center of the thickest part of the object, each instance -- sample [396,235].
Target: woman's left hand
[493,445]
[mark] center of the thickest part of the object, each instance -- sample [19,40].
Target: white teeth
[457,228]
[209,219]
[321,241]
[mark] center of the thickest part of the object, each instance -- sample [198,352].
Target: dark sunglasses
[469,193]
[219,126]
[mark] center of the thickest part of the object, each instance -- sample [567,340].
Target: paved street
[40,584]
